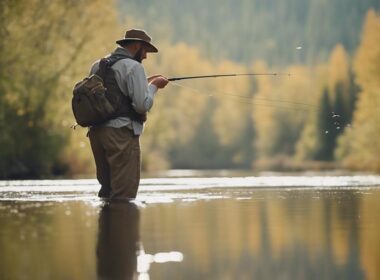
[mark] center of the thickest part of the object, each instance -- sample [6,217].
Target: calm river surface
[184,226]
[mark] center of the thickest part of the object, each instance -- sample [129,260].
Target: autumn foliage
[325,114]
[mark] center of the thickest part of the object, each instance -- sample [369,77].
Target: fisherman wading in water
[115,143]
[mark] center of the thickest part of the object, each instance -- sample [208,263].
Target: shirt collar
[121,51]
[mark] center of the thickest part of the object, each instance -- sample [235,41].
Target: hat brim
[148,46]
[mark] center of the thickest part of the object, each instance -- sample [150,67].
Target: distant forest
[249,30]
[324,115]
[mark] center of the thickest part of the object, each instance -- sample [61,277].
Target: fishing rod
[225,75]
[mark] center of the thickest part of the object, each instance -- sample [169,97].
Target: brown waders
[117,157]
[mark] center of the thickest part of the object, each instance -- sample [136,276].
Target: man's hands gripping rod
[158,80]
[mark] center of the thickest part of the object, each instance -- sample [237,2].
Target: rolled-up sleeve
[141,93]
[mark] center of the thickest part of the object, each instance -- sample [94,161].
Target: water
[186,226]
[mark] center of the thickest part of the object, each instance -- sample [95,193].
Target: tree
[339,109]
[360,146]
[43,48]
[325,130]
[338,69]
[249,30]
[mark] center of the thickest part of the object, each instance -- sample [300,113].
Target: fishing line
[249,100]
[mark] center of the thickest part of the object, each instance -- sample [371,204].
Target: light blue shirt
[132,81]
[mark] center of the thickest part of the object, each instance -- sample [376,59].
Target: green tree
[325,130]
[339,109]
[250,30]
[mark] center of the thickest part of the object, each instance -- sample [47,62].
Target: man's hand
[159,81]
[151,78]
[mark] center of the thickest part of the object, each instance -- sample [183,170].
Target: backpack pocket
[90,104]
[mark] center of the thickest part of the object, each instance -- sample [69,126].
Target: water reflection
[120,253]
[220,233]
[273,235]
[118,240]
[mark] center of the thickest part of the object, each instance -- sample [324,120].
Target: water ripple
[152,189]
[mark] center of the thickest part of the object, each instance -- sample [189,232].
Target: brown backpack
[97,98]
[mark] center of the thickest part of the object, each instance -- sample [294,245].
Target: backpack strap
[122,103]
[102,68]
[107,62]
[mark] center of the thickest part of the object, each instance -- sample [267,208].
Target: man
[115,144]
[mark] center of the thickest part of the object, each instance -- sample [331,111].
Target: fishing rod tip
[279,74]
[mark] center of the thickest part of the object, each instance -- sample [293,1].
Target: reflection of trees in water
[298,237]
[273,235]
[296,261]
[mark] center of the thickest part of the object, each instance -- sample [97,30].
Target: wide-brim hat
[138,35]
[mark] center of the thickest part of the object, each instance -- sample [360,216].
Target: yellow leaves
[78,153]
[51,45]
[185,103]
[281,107]
[231,112]
[262,115]
[55,44]
[177,108]
[361,144]
[178,60]
[338,68]
[367,59]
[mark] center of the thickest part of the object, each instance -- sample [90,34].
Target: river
[193,225]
